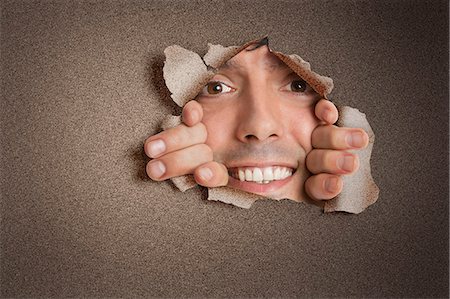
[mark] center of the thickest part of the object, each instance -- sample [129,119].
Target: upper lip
[260,164]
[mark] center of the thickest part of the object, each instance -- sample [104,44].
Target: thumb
[211,174]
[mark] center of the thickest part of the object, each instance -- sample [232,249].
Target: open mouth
[263,175]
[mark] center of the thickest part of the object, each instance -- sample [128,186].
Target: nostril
[254,137]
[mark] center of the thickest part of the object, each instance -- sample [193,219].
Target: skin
[259,118]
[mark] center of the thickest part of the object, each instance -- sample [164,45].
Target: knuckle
[199,134]
[175,137]
[335,141]
[329,160]
[312,160]
[338,138]
[317,135]
[178,136]
[206,151]
[203,132]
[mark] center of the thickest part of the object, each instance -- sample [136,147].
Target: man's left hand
[329,159]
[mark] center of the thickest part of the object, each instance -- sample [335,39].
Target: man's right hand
[182,150]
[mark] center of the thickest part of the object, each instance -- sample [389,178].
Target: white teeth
[268,174]
[248,175]
[277,174]
[257,175]
[261,175]
[241,175]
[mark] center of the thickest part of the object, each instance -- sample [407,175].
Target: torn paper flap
[217,55]
[185,74]
[184,182]
[321,84]
[233,196]
[360,190]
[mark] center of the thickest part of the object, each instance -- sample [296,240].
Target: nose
[261,119]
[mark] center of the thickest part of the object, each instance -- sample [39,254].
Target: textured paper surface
[186,74]
[82,88]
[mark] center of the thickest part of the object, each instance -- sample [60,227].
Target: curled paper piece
[186,74]
[233,196]
[321,84]
[217,55]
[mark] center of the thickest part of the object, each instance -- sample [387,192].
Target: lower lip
[257,188]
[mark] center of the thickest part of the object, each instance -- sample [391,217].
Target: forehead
[252,57]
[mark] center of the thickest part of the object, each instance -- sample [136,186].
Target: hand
[329,158]
[182,150]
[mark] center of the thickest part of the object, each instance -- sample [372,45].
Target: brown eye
[298,86]
[214,87]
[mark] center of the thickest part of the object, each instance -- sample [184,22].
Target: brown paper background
[82,88]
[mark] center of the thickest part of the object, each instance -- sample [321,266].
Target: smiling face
[259,116]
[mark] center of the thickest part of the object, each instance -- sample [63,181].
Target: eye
[298,86]
[216,87]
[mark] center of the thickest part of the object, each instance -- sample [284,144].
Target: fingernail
[156,147]
[346,163]
[157,169]
[331,185]
[205,173]
[355,139]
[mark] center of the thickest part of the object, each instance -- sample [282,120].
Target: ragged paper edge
[321,84]
[186,74]
[234,197]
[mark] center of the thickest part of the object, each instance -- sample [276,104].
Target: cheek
[219,125]
[302,125]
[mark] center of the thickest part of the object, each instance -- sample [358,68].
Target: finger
[192,113]
[332,137]
[326,111]
[179,163]
[174,139]
[323,186]
[211,174]
[331,161]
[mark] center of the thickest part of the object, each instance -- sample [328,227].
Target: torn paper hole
[186,74]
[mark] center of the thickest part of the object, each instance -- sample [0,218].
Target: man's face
[259,116]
